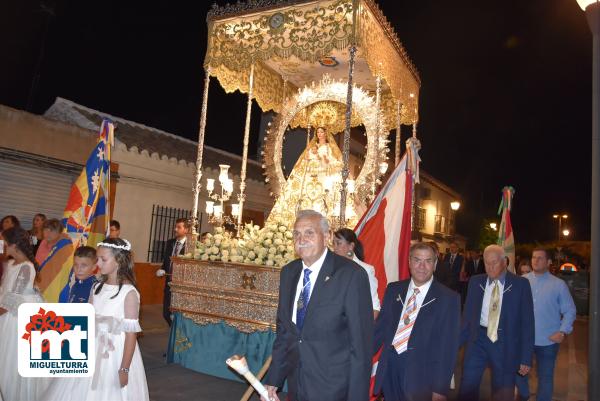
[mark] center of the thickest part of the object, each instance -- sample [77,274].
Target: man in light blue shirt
[554,312]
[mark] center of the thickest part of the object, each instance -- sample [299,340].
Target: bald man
[497,328]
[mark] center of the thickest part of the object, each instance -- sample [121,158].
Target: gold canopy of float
[272,49]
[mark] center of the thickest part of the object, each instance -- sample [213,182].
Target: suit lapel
[426,311]
[480,291]
[397,307]
[296,270]
[322,283]
[506,297]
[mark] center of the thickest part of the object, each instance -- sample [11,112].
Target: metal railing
[161,229]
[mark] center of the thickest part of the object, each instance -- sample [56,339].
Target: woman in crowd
[52,229]
[37,231]
[346,244]
[524,267]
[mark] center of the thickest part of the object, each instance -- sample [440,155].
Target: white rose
[225,252]
[256,227]
[269,235]
[289,235]
[290,248]
[247,261]
[272,250]
[218,230]
[281,249]
[277,241]
[250,244]
[204,257]
[224,258]
[214,250]
[251,255]
[218,242]
[213,257]
[268,242]
[234,252]
[270,262]
[282,229]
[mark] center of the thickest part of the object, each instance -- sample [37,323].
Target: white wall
[146,180]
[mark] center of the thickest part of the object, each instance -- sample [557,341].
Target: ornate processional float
[321,66]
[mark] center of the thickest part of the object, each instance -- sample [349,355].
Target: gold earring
[350,254]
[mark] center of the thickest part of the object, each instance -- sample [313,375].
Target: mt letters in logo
[56,340]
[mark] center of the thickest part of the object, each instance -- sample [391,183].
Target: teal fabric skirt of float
[204,348]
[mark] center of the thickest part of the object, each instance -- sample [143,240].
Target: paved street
[175,383]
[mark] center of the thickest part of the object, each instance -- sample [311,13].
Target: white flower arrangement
[271,245]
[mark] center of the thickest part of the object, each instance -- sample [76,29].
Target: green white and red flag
[506,237]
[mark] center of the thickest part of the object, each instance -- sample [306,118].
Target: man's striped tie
[400,342]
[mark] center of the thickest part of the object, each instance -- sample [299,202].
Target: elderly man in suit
[323,345]
[418,328]
[498,328]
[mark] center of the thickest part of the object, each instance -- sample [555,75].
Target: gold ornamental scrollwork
[308,31]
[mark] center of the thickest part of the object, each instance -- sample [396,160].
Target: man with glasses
[323,345]
[418,331]
[497,327]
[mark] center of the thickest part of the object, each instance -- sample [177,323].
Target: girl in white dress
[119,373]
[17,288]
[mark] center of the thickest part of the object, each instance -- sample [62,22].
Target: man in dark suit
[174,247]
[449,271]
[324,335]
[498,328]
[475,264]
[418,328]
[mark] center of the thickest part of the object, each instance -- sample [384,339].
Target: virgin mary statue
[313,181]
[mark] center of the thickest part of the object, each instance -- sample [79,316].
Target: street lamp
[455,205]
[560,218]
[592,12]
[566,232]
[493,226]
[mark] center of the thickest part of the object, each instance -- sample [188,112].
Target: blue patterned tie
[302,305]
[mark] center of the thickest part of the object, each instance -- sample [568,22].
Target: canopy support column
[378,134]
[198,176]
[242,195]
[346,147]
[398,133]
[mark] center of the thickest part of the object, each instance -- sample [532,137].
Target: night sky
[505,96]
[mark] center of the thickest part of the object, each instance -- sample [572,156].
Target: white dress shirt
[487,295]
[315,268]
[420,296]
[372,282]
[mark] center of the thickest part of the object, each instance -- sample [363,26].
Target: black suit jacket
[448,274]
[330,359]
[516,328]
[472,269]
[166,266]
[434,340]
